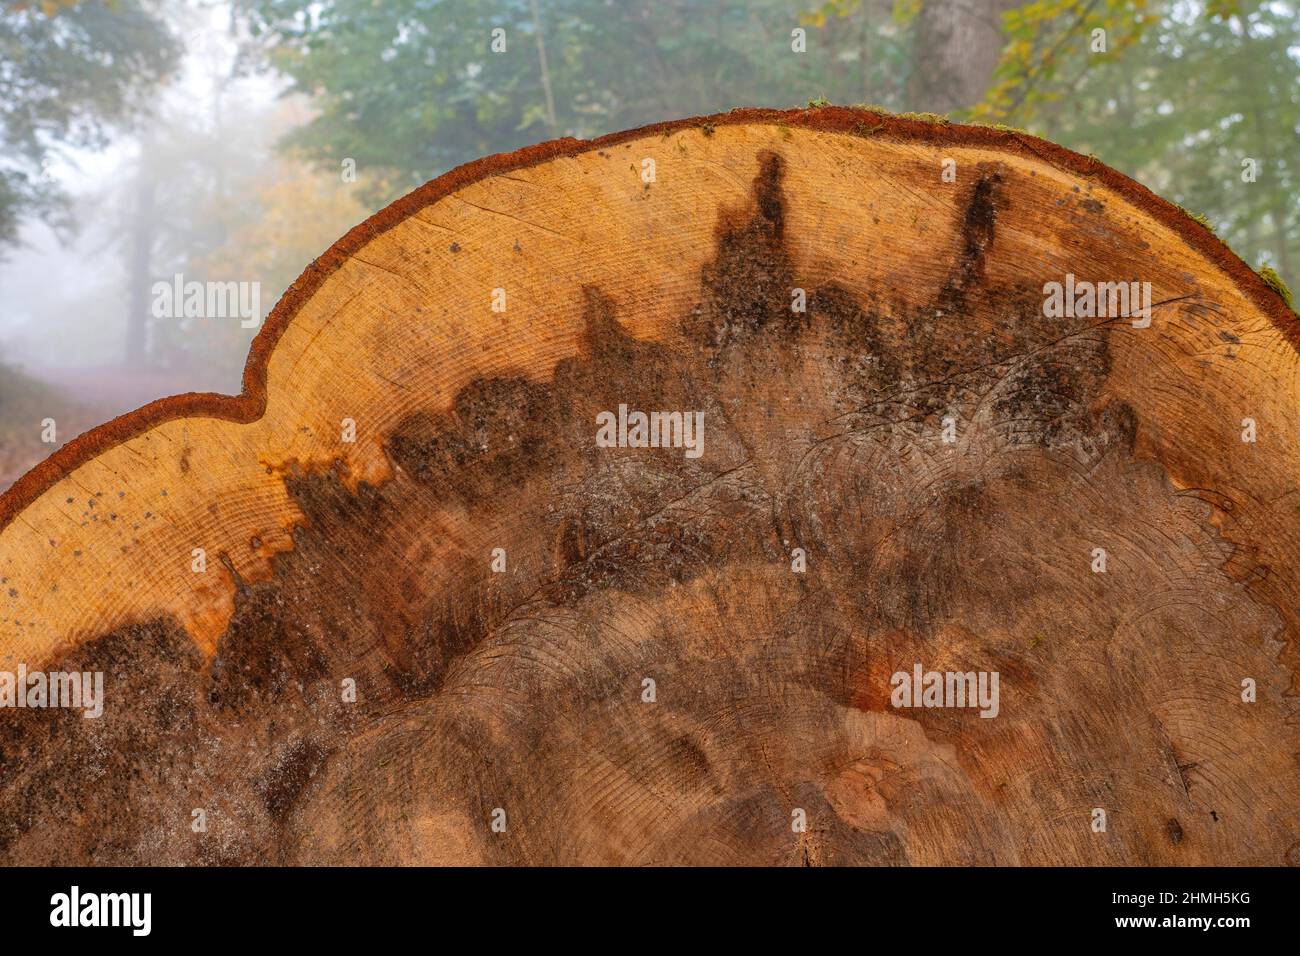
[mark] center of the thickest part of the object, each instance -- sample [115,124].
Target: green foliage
[1049,45]
[1204,89]
[414,86]
[68,71]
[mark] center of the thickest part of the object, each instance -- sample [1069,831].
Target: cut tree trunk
[399,603]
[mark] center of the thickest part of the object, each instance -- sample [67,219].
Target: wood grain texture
[824,431]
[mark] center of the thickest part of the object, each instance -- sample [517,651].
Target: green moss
[925,117]
[873,108]
[819,102]
[1198,217]
[1274,282]
[1003,128]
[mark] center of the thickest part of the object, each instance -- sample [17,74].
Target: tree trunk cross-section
[569,653]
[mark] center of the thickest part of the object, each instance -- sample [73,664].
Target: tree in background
[409,89]
[1203,106]
[288,214]
[72,69]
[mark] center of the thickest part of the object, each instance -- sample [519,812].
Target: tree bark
[955,51]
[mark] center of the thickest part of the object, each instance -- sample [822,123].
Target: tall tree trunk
[139,265]
[544,69]
[954,53]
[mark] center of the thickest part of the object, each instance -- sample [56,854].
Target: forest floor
[77,399]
